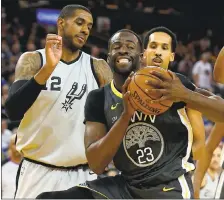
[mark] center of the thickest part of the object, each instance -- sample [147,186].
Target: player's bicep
[103,71]
[27,66]
[94,131]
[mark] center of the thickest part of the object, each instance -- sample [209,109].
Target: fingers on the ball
[131,74]
[126,95]
[160,75]
[153,82]
[156,91]
[172,74]
[163,98]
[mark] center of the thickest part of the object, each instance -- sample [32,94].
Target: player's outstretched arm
[102,71]
[30,77]
[173,89]
[198,130]
[101,146]
[218,72]
[203,163]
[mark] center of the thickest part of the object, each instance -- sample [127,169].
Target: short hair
[129,31]
[164,30]
[69,10]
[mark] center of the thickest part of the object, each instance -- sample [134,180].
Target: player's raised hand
[53,50]
[128,109]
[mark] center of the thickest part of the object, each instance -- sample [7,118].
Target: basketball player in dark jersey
[152,152]
[159,50]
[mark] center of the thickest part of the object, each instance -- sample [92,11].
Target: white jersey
[52,130]
[208,191]
[9,171]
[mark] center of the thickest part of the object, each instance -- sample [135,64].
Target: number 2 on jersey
[145,155]
[55,83]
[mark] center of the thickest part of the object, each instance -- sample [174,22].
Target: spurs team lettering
[71,96]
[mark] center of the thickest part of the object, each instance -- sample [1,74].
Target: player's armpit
[198,129]
[102,71]
[27,66]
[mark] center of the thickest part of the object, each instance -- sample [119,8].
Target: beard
[68,42]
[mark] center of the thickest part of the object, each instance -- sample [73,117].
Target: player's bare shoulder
[28,65]
[102,71]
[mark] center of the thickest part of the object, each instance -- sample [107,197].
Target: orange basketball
[139,99]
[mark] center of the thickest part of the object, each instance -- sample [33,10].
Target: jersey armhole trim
[41,59]
[94,73]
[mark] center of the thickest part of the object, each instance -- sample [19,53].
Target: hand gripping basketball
[128,108]
[141,95]
[170,88]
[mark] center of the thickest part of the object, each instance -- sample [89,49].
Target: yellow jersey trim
[114,90]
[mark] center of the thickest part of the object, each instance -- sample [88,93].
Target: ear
[108,58]
[143,58]
[60,23]
[172,56]
[144,54]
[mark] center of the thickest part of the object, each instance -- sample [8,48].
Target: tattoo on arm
[27,66]
[103,71]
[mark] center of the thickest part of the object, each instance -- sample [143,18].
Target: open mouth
[157,60]
[123,60]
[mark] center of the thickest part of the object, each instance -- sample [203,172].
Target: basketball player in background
[152,152]
[9,170]
[160,44]
[210,181]
[48,96]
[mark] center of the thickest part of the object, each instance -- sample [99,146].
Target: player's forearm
[201,168]
[197,150]
[101,153]
[210,107]
[22,95]
[43,75]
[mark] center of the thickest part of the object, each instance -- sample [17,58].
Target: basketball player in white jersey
[48,96]
[10,169]
[210,181]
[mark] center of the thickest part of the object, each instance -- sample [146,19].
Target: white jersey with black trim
[208,191]
[52,130]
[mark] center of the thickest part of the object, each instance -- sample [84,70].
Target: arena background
[199,27]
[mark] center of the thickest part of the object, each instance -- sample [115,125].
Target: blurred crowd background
[199,27]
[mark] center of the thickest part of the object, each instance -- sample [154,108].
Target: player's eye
[165,47]
[116,47]
[89,28]
[79,23]
[153,46]
[131,47]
